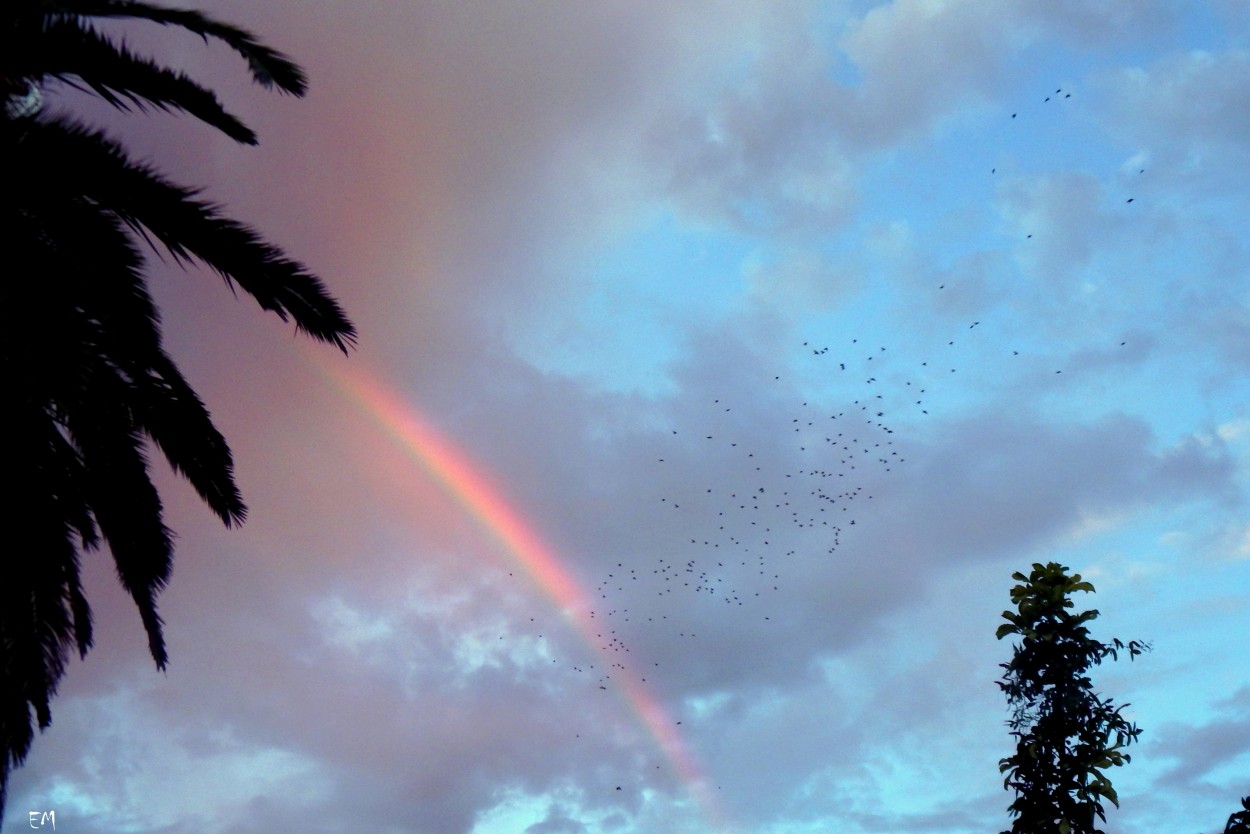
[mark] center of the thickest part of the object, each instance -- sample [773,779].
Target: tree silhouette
[1239,821]
[1066,734]
[91,388]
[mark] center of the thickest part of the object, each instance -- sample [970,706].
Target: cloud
[556,822]
[1205,753]
[802,281]
[456,175]
[1191,107]
[962,43]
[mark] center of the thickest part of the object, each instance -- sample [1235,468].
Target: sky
[719,363]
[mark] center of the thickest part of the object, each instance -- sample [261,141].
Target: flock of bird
[775,477]
[778,477]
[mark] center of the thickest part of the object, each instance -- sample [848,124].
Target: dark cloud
[1199,750]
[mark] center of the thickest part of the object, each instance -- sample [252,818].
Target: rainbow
[466,483]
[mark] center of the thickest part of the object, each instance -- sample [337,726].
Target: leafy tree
[1066,734]
[1239,821]
[90,387]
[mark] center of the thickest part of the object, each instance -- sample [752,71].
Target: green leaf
[1062,727]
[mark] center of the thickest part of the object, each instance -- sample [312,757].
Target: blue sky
[582,238]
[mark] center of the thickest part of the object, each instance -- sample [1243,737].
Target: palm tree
[91,388]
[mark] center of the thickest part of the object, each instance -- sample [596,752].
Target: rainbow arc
[483,501]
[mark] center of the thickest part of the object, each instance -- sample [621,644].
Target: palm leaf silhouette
[94,390]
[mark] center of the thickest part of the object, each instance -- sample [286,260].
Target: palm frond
[42,610]
[124,501]
[91,287]
[81,352]
[100,308]
[69,50]
[269,67]
[171,413]
[92,331]
[188,227]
